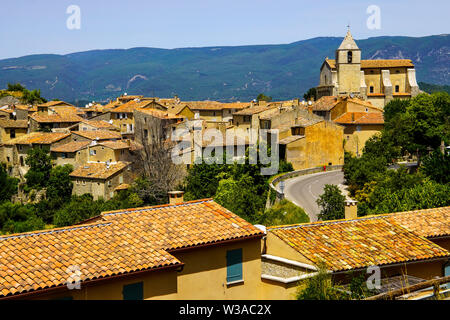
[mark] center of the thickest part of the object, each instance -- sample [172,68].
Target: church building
[377,81]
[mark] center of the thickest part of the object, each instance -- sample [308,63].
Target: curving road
[304,190]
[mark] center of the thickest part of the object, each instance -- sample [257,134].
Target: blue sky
[30,27]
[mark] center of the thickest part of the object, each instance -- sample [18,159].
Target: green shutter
[234,265]
[134,291]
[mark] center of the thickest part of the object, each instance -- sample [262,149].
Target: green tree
[263,97]
[332,203]
[320,287]
[15,87]
[310,94]
[59,185]
[283,213]
[437,166]
[8,185]
[240,197]
[40,165]
[15,218]
[78,209]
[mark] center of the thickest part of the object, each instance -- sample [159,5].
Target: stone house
[10,129]
[100,179]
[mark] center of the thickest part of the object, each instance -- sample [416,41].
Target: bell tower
[348,66]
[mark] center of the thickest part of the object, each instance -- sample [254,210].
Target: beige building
[360,118]
[378,81]
[10,129]
[100,179]
[15,151]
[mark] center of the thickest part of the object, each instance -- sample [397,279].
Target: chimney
[351,209]
[175,197]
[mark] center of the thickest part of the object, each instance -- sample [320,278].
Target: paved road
[304,190]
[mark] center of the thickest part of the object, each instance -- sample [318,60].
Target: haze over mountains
[235,73]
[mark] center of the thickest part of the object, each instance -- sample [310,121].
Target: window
[397,88]
[371,89]
[134,291]
[234,265]
[247,118]
[7,159]
[358,128]
[12,133]
[349,56]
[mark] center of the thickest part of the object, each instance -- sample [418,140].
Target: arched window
[349,56]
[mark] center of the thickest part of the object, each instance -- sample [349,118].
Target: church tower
[348,66]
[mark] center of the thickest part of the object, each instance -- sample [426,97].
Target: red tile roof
[376,64]
[123,242]
[96,170]
[360,118]
[358,243]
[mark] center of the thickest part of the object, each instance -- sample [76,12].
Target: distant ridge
[224,73]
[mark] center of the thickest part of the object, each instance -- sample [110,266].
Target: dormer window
[371,89]
[349,56]
[397,88]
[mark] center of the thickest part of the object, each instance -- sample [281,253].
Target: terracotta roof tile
[360,118]
[359,243]
[72,146]
[98,250]
[96,170]
[160,114]
[99,124]
[39,138]
[130,106]
[55,103]
[374,64]
[427,223]
[206,220]
[255,110]
[13,123]
[115,144]
[325,103]
[100,134]
[124,241]
[51,118]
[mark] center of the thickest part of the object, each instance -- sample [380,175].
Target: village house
[378,81]
[10,129]
[395,243]
[311,142]
[53,122]
[154,125]
[15,150]
[359,127]
[7,113]
[361,119]
[191,250]
[122,117]
[100,179]
[23,111]
[216,111]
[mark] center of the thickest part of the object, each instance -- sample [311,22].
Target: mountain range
[226,73]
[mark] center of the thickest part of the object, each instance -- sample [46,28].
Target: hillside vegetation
[220,73]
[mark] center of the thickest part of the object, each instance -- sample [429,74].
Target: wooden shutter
[234,265]
[134,291]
